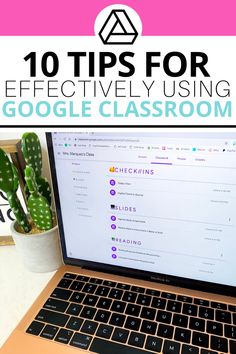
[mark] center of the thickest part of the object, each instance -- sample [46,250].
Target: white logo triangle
[118,29]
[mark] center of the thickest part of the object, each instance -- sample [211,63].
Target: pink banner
[76,17]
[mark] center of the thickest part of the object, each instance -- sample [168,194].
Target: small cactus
[31,149]
[38,191]
[9,185]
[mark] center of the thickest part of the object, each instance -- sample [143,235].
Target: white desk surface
[18,290]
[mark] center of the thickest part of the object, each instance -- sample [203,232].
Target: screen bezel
[124,271]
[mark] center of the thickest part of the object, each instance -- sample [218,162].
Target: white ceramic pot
[40,252]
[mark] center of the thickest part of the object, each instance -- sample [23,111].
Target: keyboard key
[118,306]
[168,295]
[102,291]
[120,335]
[117,319]
[148,313]
[214,328]
[133,310]
[104,331]
[219,344]
[136,339]
[74,309]
[61,294]
[218,305]
[182,335]
[69,276]
[89,288]
[82,278]
[132,323]
[171,347]
[81,341]
[232,308]
[223,316]
[158,303]
[115,294]
[123,286]
[88,312]
[77,297]
[149,327]
[107,347]
[102,316]
[77,285]
[144,300]
[64,336]
[163,316]
[180,320]
[232,345]
[165,331]
[201,302]
[104,303]
[96,281]
[190,310]
[138,289]
[230,331]
[129,296]
[200,339]
[197,324]
[64,283]
[74,323]
[206,313]
[153,292]
[56,305]
[154,344]
[35,328]
[89,327]
[90,300]
[184,298]
[174,306]
[207,351]
[49,332]
[234,318]
[189,349]
[54,318]
[109,283]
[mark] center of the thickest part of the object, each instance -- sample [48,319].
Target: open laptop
[148,234]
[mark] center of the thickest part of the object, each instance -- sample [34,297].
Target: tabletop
[18,289]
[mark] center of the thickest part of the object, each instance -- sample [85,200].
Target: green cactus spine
[38,206]
[9,185]
[32,152]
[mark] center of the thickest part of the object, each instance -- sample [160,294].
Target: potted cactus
[34,231]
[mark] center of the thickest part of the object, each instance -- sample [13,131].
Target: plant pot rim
[43,233]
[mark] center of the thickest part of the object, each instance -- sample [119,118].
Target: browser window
[163,203]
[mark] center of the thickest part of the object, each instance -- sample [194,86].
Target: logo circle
[127,14]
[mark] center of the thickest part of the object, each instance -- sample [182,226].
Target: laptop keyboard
[106,317]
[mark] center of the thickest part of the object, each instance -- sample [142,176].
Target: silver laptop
[148,234]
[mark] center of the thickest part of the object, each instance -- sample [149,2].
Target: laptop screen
[159,202]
